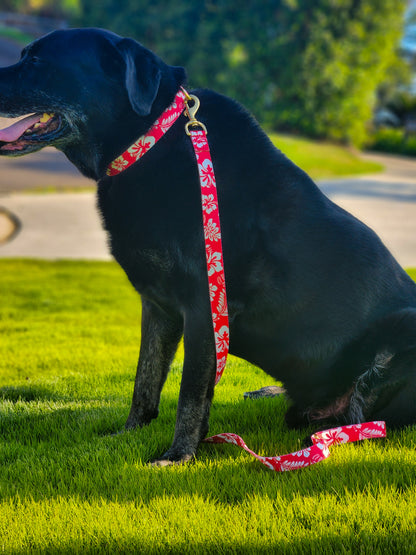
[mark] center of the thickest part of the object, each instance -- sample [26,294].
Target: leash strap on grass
[318,452]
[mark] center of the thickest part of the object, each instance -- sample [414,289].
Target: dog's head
[82,88]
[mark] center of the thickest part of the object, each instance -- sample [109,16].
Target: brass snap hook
[191,112]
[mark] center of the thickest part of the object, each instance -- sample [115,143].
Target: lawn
[322,159]
[69,343]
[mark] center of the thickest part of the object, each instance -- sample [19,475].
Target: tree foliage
[51,8]
[313,67]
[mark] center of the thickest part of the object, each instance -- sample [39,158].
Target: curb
[10,225]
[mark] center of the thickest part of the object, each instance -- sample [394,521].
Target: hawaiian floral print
[213,248]
[314,454]
[145,142]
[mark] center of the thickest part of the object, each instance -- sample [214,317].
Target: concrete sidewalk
[67,225]
[386,202]
[61,225]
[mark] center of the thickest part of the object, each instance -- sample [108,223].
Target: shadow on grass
[52,449]
[29,393]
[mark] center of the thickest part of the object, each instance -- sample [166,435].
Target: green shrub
[297,65]
[393,141]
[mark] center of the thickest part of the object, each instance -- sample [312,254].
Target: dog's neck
[145,142]
[92,155]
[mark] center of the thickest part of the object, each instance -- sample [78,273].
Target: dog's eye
[28,56]
[33,59]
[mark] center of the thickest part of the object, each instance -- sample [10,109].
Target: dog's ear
[142,77]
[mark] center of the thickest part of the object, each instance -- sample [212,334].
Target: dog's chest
[159,267]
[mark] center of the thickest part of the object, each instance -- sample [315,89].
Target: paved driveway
[45,169]
[386,202]
[67,225]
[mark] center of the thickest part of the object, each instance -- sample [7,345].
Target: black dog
[315,299]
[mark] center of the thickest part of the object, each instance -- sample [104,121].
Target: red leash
[216,280]
[318,452]
[212,235]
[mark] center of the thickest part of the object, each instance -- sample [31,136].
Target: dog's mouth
[31,133]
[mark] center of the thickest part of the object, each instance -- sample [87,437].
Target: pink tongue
[12,133]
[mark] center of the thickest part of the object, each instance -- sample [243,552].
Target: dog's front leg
[196,392]
[160,337]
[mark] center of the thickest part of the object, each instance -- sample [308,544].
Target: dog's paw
[268,391]
[171,460]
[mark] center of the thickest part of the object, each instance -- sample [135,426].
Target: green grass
[63,189]
[69,344]
[323,159]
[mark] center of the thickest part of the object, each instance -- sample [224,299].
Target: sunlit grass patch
[70,334]
[322,159]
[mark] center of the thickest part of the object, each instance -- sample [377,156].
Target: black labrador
[315,299]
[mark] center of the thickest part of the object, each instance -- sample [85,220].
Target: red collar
[146,141]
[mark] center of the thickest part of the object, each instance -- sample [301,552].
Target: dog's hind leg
[392,396]
[385,388]
[374,377]
[160,337]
